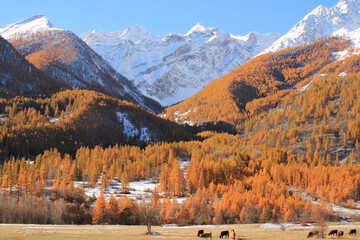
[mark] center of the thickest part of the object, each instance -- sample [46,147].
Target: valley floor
[243,231]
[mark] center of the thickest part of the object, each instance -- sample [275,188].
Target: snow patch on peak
[136,33]
[100,37]
[25,27]
[345,6]
[320,22]
[198,28]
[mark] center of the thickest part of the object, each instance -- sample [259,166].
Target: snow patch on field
[279,225]
[193,226]
[138,190]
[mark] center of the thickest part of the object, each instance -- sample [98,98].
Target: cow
[340,234]
[206,235]
[224,234]
[352,232]
[313,234]
[333,232]
[232,233]
[201,231]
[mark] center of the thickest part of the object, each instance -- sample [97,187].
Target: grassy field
[243,231]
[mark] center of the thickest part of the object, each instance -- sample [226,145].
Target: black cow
[333,232]
[206,235]
[224,234]
[200,232]
[352,232]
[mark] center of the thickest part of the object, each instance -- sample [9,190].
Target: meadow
[243,231]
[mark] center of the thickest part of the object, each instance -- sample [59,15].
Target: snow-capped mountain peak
[72,62]
[320,22]
[173,68]
[136,33]
[199,28]
[25,27]
[347,6]
[100,36]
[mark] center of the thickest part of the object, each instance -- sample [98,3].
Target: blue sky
[164,16]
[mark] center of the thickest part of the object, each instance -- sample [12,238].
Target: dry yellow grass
[243,231]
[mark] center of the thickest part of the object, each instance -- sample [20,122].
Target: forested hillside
[226,181]
[262,76]
[18,76]
[72,119]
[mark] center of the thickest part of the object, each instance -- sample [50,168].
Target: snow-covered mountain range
[68,59]
[343,20]
[172,68]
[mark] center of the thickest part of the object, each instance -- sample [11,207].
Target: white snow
[182,117]
[342,74]
[344,211]
[194,226]
[129,129]
[145,134]
[87,66]
[26,27]
[139,190]
[340,20]
[279,225]
[173,68]
[54,119]
[306,87]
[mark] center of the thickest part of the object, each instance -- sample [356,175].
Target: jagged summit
[28,26]
[135,33]
[199,28]
[320,22]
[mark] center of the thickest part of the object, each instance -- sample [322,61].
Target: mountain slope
[68,59]
[173,68]
[319,120]
[224,99]
[341,19]
[72,119]
[20,77]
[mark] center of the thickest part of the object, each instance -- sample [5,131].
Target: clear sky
[161,17]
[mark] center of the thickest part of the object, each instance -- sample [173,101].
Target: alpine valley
[202,128]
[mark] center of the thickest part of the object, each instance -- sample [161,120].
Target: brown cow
[340,234]
[201,231]
[313,234]
[224,234]
[333,232]
[352,232]
[232,233]
[206,235]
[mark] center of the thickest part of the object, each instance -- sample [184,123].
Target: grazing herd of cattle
[231,233]
[333,232]
[223,234]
